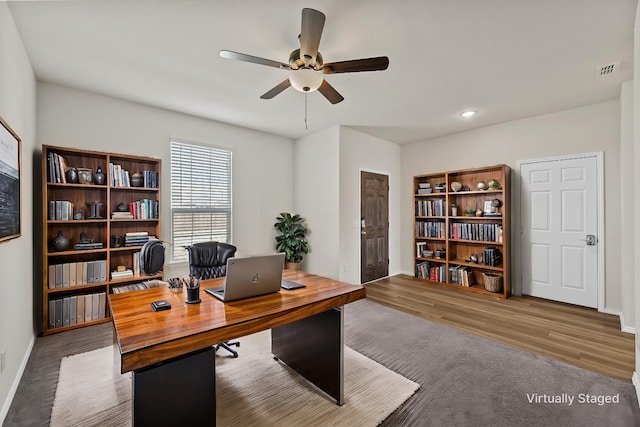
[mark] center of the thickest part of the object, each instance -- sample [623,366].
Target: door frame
[388,175]
[516,233]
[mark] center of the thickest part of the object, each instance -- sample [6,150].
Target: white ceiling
[507,59]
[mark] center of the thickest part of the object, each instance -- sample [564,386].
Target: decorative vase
[72,176]
[292,265]
[136,180]
[99,178]
[60,242]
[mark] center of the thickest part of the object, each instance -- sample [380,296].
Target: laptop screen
[253,276]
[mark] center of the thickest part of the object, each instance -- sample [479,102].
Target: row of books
[57,168]
[136,238]
[60,210]
[122,274]
[432,271]
[121,215]
[435,207]
[76,309]
[430,229]
[424,188]
[492,257]
[461,275]
[150,179]
[475,231]
[130,287]
[144,209]
[120,177]
[77,273]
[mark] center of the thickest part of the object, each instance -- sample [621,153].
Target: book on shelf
[57,167]
[87,245]
[122,274]
[136,233]
[88,304]
[129,288]
[59,210]
[144,209]
[119,176]
[121,215]
[77,273]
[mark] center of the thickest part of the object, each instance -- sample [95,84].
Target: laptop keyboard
[216,290]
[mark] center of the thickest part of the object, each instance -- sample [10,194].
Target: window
[200,196]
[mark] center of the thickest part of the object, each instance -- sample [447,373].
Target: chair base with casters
[227,346]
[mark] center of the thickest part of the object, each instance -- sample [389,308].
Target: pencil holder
[193,291]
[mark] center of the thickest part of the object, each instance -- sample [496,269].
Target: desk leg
[314,347]
[180,392]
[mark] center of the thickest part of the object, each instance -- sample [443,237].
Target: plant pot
[292,265]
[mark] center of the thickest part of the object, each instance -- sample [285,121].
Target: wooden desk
[170,352]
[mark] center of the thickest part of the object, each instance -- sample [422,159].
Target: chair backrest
[152,257]
[209,259]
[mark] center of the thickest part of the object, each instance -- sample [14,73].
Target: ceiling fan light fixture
[306,79]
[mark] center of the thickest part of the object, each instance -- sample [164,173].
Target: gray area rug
[253,390]
[471,381]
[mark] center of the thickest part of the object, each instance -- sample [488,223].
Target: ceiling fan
[306,64]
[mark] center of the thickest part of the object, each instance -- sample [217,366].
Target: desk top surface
[146,337]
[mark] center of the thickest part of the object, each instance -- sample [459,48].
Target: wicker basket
[492,282]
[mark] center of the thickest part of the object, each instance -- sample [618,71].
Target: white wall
[262,176]
[581,130]
[316,195]
[627,213]
[636,186]
[18,109]
[361,152]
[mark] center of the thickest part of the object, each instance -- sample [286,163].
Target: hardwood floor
[575,335]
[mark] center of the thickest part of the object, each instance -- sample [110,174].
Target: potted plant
[470,211]
[291,239]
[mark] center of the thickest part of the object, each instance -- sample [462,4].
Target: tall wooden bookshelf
[82,272]
[464,250]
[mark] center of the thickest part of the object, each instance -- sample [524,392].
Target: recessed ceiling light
[468,113]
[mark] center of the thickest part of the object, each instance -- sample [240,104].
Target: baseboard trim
[16,382]
[623,326]
[636,382]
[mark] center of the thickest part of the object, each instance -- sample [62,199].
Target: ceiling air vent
[609,69]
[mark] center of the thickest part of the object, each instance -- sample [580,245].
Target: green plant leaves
[291,239]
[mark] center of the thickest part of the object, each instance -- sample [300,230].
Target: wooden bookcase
[455,249]
[75,273]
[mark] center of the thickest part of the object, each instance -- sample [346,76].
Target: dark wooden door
[374,226]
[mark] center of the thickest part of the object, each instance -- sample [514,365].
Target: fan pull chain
[305,111]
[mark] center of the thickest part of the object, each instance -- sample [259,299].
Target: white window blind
[200,196]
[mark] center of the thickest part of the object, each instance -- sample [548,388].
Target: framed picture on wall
[10,198]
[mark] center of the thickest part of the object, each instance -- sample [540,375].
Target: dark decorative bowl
[136,180]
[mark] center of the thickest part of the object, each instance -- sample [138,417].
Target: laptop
[250,277]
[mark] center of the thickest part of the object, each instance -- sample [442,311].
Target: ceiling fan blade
[312,25]
[330,93]
[276,90]
[356,65]
[228,54]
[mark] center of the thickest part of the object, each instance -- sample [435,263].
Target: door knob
[591,240]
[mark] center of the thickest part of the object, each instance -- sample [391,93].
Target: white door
[559,213]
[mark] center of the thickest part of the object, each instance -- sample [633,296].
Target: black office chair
[208,260]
